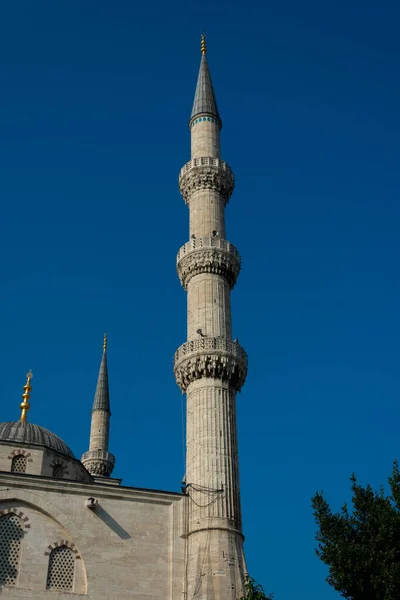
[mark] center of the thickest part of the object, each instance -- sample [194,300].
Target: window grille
[11,533]
[60,575]
[18,464]
[58,471]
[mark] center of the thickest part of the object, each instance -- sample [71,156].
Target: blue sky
[94,107]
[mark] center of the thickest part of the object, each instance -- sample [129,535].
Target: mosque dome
[27,433]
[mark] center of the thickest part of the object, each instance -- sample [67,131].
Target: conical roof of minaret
[102,396]
[204,98]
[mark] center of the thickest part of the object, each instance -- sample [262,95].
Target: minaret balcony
[215,358]
[206,173]
[98,462]
[208,255]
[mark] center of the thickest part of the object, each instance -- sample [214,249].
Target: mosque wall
[130,546]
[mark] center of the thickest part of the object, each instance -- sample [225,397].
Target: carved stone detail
[208,255]
[206,173]
[98,462]
[60,543]
[210,357]
[14,511]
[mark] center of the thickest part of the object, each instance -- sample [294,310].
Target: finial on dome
[203,43]
[25,406]
[105,342]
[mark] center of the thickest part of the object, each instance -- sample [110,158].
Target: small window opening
[18,464]
[11,534]
[58,471]
[60,575]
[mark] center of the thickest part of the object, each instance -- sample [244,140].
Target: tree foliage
[362,547]
[254,591]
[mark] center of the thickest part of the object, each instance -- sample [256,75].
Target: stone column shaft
[212,455]
[209,307]
[205,138]
[207,214]
[99,431]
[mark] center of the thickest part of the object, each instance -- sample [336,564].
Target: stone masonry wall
[130,546]
[205,137]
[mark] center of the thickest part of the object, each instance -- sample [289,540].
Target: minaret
[98,460]
[210,367]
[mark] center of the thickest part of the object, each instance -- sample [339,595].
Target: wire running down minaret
[210,367]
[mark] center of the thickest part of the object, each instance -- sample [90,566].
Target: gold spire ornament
[203,43]
[25,406]
[105,342]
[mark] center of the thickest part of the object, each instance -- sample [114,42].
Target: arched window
[18,464]
[11,534]
[60,575]
[58,471]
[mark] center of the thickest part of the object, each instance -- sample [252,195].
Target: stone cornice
[206,173]
[215,358]
[36,484]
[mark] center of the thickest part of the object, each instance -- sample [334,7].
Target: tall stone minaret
[210,367]
[98,460]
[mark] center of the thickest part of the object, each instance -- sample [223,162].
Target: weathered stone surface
[98,462]
[205,138]
[213,358]
[130,546]
[208,255]
[206,173]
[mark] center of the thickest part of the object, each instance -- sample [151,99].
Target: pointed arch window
[61,572]
[18,464]
[11,534]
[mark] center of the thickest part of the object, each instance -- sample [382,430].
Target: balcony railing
[210,345]
[207,243]
[205,161]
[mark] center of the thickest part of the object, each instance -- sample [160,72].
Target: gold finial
[105,342]
[203,43]
[25,406]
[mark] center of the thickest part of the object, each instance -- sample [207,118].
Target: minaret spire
[210,367]
[205,102]
[98,460]
[102,395]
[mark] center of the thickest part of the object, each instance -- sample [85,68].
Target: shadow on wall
[111,523]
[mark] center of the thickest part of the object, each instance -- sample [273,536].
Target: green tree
[254,591]
[362,546]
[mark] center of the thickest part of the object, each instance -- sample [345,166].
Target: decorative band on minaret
[210,367]
[98,460]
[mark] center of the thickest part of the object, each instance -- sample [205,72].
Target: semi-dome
[27,433]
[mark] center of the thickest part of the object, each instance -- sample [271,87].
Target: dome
[27,433]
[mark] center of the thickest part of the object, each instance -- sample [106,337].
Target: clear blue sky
[94,108]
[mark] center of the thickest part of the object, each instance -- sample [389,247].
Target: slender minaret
[98,460]
[210,367]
